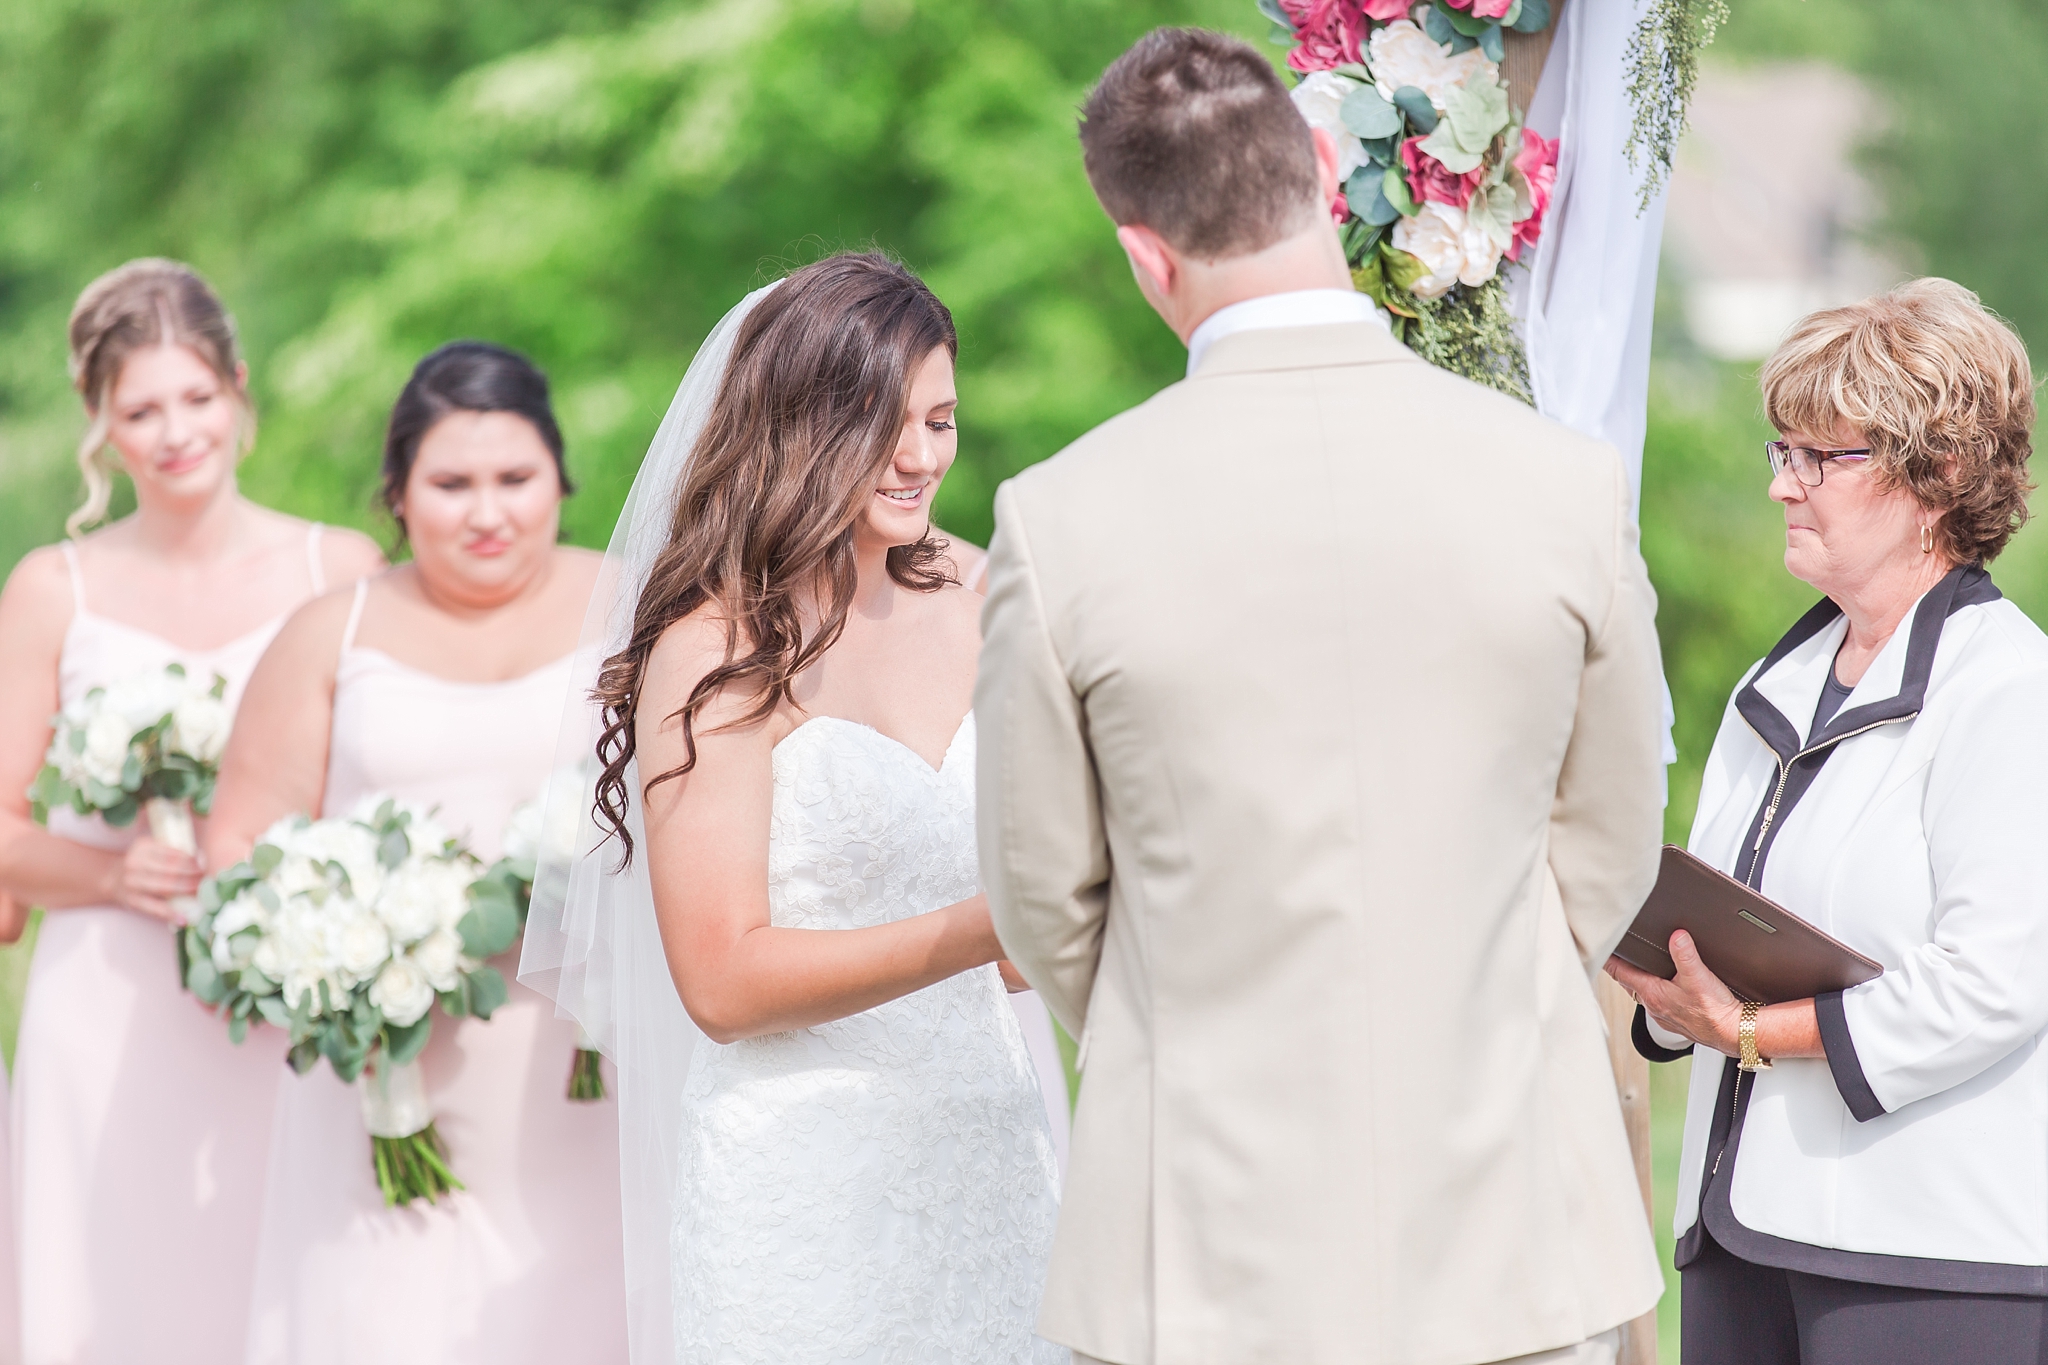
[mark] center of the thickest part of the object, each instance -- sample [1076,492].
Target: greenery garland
[1663,67]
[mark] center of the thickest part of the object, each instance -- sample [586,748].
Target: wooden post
[1632,1081]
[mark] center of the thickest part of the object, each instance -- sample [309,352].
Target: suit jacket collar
[1302,348]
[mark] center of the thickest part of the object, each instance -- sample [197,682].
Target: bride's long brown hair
[806,419]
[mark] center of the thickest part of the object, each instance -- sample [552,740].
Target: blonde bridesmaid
[138,1130]
[442,681]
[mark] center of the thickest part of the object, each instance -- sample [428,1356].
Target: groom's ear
[1326,164]
[1153,260]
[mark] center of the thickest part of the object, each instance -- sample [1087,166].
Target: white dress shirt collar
[1301,308]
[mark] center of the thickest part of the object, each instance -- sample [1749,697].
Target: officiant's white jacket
[1916,1152]
[1319,767]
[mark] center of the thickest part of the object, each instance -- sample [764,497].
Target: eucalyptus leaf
[1462,43]
[304,1056]
[487,991]
[271,1007]
[1438,26]
[1379,210]
[1402,268]
[1476,111]
[1367,114]
[203,979]
[1280,36]
[1464,21]
[1514,12]
[265,860]
[404,1044]
[1532,17]
[238,1029]
[1395,187]
[393,847]
[1493,45]
[1414,102]
[1271,9]
[1443,145]
[1381,150]
[121,814]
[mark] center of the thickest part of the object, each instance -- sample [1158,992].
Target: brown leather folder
[1761,950]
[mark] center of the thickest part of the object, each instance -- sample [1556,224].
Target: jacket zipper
[1756,856]
[1784,775]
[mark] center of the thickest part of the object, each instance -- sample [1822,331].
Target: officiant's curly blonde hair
[1939,388]
[805,422]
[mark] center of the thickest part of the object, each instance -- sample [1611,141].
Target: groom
[1319,729]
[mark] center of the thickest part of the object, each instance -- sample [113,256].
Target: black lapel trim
[1800,762]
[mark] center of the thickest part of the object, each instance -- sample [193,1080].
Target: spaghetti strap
[978,580]
[355,615]
[313,569]
[77,575]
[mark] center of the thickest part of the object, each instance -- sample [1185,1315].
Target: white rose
[232,952]
[439,955]
[1402,54]
[297,955]
[1320,98]
[199,727]
[344,842]
[1482,253]
[402,992]
[107,734]
[357,941]
[422,895]
[522,838]
[1436,237]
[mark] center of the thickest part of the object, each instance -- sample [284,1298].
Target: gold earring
[1927,540]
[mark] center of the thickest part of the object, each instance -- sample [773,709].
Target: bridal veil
[591,938]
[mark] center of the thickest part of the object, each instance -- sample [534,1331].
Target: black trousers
[1735,1312]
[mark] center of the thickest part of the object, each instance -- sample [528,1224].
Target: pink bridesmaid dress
[526,1264]
[140,1133]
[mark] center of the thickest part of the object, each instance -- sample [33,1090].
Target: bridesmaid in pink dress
[443,682]
[139,1130]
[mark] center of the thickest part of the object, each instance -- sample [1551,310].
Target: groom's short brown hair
[1191,134]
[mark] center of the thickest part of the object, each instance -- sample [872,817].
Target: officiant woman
[441,682]
[139,1132]
[1863,1177]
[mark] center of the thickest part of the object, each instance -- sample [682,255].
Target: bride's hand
[149,875]
[1013,980]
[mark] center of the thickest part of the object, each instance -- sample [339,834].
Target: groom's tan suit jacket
[1319,727]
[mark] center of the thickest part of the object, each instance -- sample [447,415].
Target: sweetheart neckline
[945,760]
[272,626]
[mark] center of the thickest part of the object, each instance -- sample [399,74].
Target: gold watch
[1745,1036]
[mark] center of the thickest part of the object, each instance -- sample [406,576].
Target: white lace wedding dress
[882,1188]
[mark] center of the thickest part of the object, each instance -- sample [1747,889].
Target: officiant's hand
[1697,1005]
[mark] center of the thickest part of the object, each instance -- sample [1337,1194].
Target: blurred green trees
[593,182]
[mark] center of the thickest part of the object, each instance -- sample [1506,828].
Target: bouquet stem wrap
[586,1073]
[170,824]
[404,1147]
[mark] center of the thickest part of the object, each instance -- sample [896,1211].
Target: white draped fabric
[1588,303]
[1593,283]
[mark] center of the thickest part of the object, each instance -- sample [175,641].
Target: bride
[860,1169]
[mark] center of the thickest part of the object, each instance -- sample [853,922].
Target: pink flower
[1386,10]
[1484,9]
[1537,161]
[1327,33]
[1429,179]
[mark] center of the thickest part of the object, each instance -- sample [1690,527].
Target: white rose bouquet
[149,743]
[511,878]
[345,932]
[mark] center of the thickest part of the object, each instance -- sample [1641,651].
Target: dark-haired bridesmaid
[443,682]
[139,1131]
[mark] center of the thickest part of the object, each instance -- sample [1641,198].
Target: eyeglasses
[1808,466]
